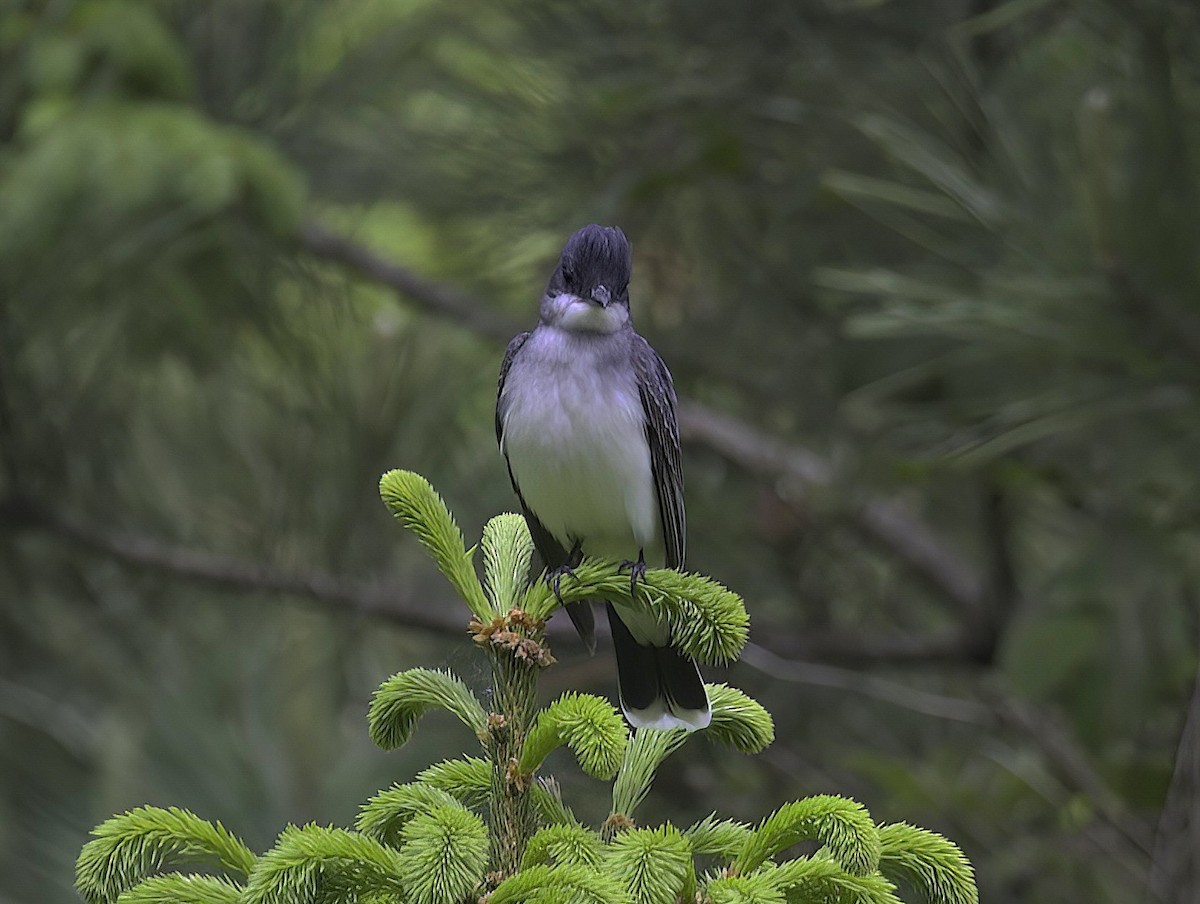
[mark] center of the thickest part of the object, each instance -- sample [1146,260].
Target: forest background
[926,273]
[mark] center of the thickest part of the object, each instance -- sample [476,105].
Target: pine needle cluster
[491,828]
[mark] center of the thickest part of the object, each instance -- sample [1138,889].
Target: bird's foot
[555,575]
[637,570]
[554,578]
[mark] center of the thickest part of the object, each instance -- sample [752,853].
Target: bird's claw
[637,571]
[555,575]
[554,578]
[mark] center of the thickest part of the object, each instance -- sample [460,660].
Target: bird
[586,421]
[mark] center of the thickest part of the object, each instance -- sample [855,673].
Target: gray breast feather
[610,403]
[573,430]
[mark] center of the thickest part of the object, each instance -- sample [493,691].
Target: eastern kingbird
[585,417]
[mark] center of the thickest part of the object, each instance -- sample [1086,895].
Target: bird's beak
[601,296]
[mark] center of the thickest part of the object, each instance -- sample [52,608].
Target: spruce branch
[646,751]
[571,845]
[588,725]
[444,855]
[800,881]
[722,837]
[822,878]
[134,845]
[760,888]
[655,865]
[318,865]
[560,885]
[413,500]
[385,815]
[932,864]
[547,800]
[180,889]
[738,720]
[707,620]
[467,780]
[511,813]
[507,552]
[420,843]
[517,634]
[402,699]
[842,825]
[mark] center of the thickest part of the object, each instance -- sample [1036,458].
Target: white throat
[578,315]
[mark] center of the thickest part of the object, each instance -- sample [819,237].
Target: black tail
[660,687]
[584,621]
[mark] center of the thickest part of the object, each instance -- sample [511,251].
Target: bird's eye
[568,276]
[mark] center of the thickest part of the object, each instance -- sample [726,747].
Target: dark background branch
[386,601]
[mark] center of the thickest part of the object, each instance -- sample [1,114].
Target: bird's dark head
[589,289]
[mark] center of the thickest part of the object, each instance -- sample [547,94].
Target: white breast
[575,436]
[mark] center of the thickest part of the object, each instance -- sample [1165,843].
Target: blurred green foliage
[949,246]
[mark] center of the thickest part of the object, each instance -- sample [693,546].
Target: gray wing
[662,432]
[505,366]
[550,549]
